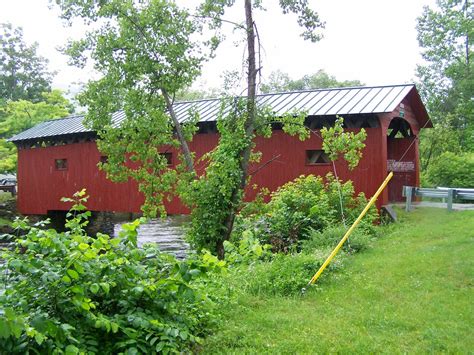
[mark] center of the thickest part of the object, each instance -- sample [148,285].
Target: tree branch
[169,104]
[264,165]
[238,25]
[182,140]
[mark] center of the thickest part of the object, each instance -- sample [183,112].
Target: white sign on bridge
[400,166]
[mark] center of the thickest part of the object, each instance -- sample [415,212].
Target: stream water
[167,232]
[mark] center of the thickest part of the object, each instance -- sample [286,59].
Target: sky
[373,41]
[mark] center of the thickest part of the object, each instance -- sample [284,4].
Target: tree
[191,94]
[279,81]
[146,56]
[310,21]
[446,35]
[17,116]
[23,73]
[453,170]
[147,52]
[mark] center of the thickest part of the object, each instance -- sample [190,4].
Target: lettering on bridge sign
[400,166]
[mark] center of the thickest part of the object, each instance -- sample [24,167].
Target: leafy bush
[452,170]
[330,237]
[247,250]
[305,204]
[71,293]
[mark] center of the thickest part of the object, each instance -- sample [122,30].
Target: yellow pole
[348,233]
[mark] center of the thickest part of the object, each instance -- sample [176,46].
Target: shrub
[452,170]
[305,204]
[69,292]
[330,237]
[247,250]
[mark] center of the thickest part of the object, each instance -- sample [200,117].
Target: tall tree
[147,52]
[23,73]
[310,21]
[446,34]
[279,81]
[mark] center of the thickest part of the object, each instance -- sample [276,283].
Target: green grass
[411,292]
[5,196]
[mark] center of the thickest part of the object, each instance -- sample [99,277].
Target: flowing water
[167,232]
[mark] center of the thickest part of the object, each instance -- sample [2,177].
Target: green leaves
[146,55]
[105,286]
[337,142]
[279,81]
[11,324]
[23,73]
[304,204]
[452,170]
[83,246]
[94,288]
[307,18]
[446,80]
[73,274]
[17,116]
[114,299]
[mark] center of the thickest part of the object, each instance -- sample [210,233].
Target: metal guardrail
[445,193]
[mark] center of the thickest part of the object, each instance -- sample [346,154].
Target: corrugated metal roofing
[321,102]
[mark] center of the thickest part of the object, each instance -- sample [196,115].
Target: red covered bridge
[59,157]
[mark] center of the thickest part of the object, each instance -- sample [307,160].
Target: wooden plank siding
[42,186]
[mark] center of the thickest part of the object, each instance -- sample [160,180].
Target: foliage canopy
[446,34]
[23,73]
[17,116]
[73,293]
[279,81]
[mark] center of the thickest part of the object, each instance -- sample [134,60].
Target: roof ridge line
[336,88]
[301,91]
[259,95]
[63,118]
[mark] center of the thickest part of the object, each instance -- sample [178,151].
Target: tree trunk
[184,145]
[250,120]
[466,13]
[220,249]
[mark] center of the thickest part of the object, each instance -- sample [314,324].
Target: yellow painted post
[348,233]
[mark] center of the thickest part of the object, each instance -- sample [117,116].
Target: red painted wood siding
[41,186]
[403,150]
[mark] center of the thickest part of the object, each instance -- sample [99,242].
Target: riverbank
[411,292]
[167,232]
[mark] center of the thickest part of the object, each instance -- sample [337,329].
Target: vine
[209,196]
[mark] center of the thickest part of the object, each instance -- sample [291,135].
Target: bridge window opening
[316,157]
[168,156]
[355,121]
[399,128]
[60,164]
[207,128]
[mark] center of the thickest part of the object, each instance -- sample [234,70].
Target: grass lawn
[411,292]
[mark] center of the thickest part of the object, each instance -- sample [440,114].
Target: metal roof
[321,102]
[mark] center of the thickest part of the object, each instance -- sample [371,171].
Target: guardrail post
[408,194]
[450,199]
